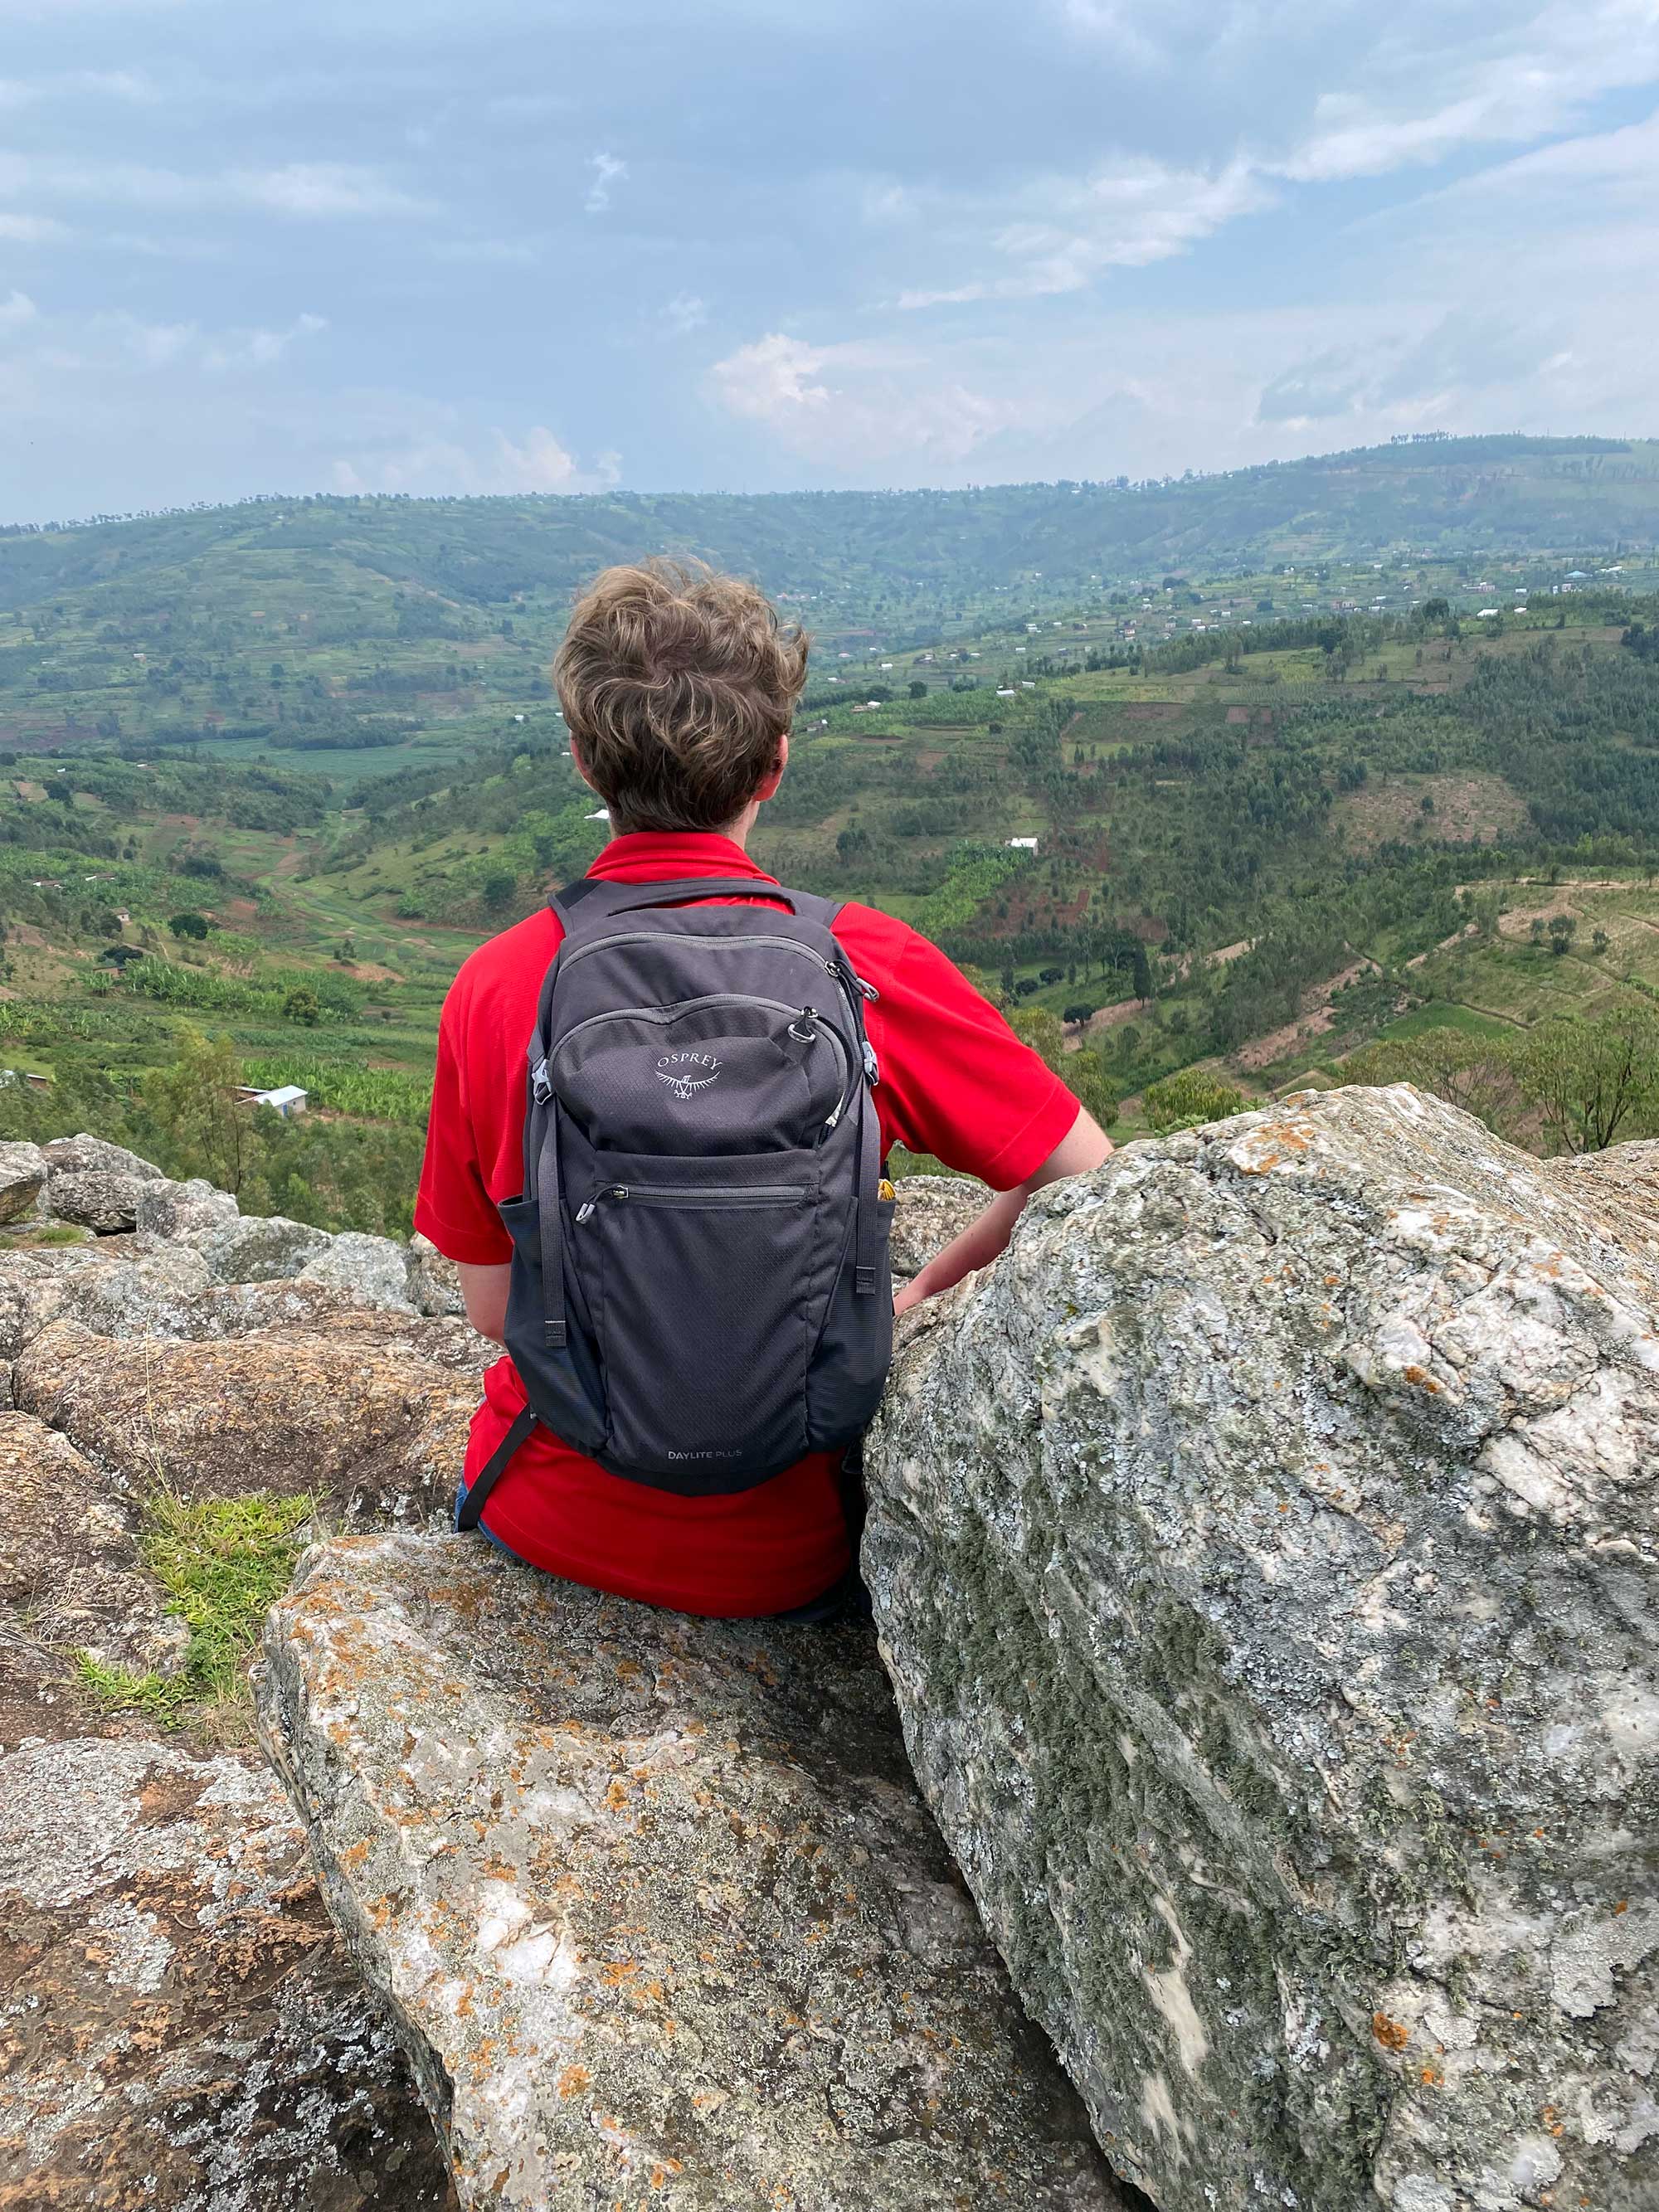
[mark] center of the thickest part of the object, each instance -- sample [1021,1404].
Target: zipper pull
[809,1034]
[872,1067]
[590,1207]
[843,974]
[541,1083]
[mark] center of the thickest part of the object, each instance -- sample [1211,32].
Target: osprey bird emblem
[687,1072]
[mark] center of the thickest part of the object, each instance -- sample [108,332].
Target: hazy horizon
[97,517]
[392,249]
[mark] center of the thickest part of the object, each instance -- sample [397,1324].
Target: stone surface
[180,2030]
[70,1580]
[87,1155]
[376,1432]
[158,1293]
[1264,1556]
[22,1179]
[371,1269]
[255,1247]
[95,1198]
[655,1899]
[929,1211]
[435,1282]
[1624,1182]
[168,1210]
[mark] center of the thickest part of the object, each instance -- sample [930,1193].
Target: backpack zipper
[737,1194]
[837,969]
[664,1015]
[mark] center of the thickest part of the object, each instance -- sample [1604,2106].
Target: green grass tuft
[223,1562]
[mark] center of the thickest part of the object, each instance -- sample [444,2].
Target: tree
[1140,970]
[1190,1098]
[1475,1073]
[189,925]
[1599,941]
[918,690]
[193,1108]
[1563,929]
[1589,1079]
[499,886]
[301,1005]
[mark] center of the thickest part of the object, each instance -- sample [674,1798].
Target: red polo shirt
[955,1082]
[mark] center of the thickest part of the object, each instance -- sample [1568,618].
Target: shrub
[1188,1099]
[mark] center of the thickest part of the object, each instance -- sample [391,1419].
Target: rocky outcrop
[1623,1183]
[167,1210]
[22,1179]
[930,1213]
[180,2031]
[96,1185]
[179,2026]
[378,1432]
[70,1581]
[257,1247]
[1264,1558]
[653,1900]
[372,1270]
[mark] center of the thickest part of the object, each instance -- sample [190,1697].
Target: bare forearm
[1084,1145]
[483,1293]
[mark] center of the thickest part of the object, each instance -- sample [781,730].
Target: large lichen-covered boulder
[168,1210]
[158,1294]
[258,1247]
[655,1899]
[930,1213]
[22,1179]
[373,1427]
[95,1184]
[180,2031]
[1264,1555]
[373,1270]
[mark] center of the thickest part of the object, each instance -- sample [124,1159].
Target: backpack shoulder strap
[592,900]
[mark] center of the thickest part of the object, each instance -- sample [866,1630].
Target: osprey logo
[686,1071]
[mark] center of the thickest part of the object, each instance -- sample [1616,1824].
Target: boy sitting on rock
[678,687]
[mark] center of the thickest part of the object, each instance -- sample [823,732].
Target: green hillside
[268,773]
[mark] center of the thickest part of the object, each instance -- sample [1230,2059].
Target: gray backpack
[700,1292]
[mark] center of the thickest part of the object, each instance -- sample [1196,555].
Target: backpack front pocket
[704,1306]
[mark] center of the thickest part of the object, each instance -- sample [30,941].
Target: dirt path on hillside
[1315,1020]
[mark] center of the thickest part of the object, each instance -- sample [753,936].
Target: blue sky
[498,247]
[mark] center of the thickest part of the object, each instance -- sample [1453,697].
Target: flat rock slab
[654,1898]
[1264,1554]
[179,2029]
[346,1415]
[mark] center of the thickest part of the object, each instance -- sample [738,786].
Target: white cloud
[437,466]
[325,188]
[16,310]
[1419,90]
[875,403]
[1511,81]
[1066,233]
[607,171]
[685,312]
[306,188]
[33,230]
[261,349]
[768,380]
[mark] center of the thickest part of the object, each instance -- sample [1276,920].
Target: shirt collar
[664,856]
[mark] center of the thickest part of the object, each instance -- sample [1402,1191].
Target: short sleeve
[955,1079]
[454,1208]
